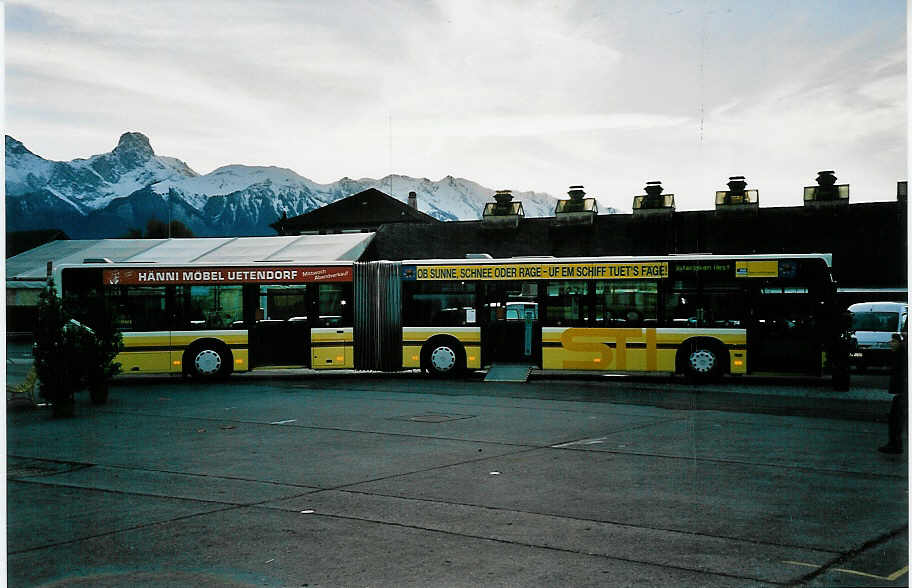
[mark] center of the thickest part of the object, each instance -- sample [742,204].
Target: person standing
[899,388]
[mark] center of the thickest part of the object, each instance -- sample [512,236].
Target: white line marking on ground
[581,442]
[892,577]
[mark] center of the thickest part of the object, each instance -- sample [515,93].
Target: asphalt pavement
[293,478]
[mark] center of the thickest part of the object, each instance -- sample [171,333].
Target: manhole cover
[435,417]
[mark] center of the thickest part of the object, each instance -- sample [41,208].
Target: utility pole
[170,193]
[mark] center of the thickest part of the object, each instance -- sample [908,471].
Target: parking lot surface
[400,480]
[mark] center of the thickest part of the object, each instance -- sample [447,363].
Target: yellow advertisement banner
[544,271]
[757,269]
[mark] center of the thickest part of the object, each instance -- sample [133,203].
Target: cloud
[544,125]
[25,18]
[531,95]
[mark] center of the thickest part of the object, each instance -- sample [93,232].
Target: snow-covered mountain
[90,184]
[107,194]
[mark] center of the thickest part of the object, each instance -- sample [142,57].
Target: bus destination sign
[537,271]
[225,275]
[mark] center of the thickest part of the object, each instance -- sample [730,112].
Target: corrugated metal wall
[378,317]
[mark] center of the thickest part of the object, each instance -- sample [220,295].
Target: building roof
[367,209]
[28,269]
[867,240]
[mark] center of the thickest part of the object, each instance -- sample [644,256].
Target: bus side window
[140,308]
[626,303]
[231,306]
[438,303]
[122,320]
[334,305]
[709,308]
[680,309]
[210,307]
[723,307]
[283,303]
[566,304]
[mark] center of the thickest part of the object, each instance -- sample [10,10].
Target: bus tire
[701,361]
[443,357]
[208,360]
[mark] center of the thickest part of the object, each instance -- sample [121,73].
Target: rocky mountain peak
[133,148]
[15,147]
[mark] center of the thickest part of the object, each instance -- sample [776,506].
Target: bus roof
[879,307]
[206,251]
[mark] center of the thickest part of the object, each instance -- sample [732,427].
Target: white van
[873,325]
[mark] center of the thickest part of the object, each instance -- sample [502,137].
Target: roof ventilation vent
[826,193]
[653,202]
[578,210]
[736,197]
[504,213]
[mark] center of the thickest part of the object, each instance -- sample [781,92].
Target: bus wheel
[209,362]
[443,358]
[702,363]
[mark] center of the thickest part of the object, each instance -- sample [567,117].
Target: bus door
[782,331]
[332,342]
[281,326]
[511,329]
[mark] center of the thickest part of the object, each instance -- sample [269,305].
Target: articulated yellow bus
[701,315]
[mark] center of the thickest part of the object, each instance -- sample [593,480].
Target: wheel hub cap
[702,361]
[443,359]
[207,362]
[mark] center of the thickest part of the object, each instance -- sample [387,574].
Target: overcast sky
[523,95]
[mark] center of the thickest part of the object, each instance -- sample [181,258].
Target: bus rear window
[885,322]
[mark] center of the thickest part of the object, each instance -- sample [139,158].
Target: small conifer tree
[52,364]
[69,356]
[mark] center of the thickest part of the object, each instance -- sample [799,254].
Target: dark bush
[70,356]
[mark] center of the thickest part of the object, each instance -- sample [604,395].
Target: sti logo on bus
[601,341]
